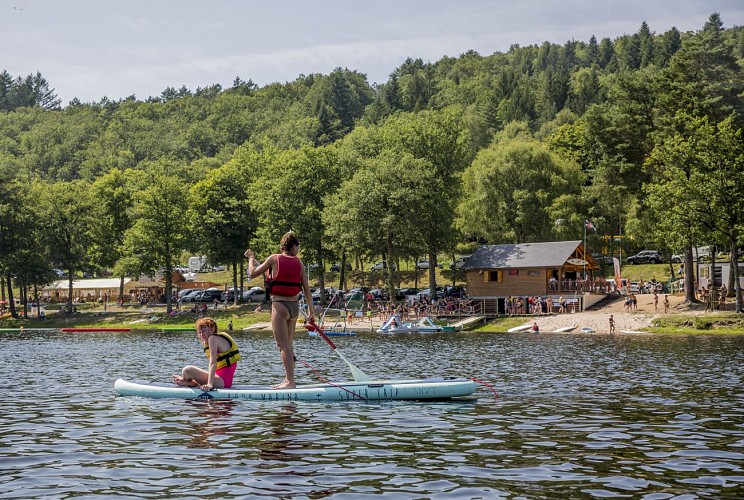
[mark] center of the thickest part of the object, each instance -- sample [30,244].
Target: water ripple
[653,417]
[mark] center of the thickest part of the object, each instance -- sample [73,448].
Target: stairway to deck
[606,301]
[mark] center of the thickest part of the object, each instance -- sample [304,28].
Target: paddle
[359,375]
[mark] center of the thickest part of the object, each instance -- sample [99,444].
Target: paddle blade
[359,375]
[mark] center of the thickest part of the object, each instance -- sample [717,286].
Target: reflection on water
[277,440]
[578,415]
[210,422]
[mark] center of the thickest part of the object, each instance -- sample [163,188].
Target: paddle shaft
[358,374]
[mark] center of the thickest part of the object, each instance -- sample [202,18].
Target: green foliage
[607,129]
[513,189]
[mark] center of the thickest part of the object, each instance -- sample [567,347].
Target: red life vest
[285,280]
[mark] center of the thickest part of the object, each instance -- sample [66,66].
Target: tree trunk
[237,290]
[242,281]
[11,302]
[321,274]
[121,290]
[689,276]
[38,302]
[730,286]
[389,268]
[714,286]
[69,291]
[454,271]
[433,275]
[735,273]
[342,272]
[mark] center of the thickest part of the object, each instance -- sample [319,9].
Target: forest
[641,135]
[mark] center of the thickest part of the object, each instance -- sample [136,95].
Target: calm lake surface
[577,416]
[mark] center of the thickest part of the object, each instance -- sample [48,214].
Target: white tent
[88,289]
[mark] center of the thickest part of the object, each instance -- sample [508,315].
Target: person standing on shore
[285,279]
[612,324]
[666,304]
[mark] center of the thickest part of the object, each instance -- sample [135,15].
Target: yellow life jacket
[226,358]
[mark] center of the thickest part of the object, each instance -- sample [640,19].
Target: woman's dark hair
[288,241]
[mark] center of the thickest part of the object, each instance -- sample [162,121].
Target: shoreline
[682,319]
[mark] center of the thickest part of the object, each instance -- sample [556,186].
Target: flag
[588,224]
[618,279]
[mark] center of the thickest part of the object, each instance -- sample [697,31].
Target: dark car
[208,295]
[401,293]
[336,267]
[456,291]
[645,257]
[229,294]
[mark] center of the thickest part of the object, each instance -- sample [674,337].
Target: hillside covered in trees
[642,135]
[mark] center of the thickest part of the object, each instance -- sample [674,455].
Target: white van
[195,263]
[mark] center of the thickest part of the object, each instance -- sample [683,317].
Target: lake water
[577,416]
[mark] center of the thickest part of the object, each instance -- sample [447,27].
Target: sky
[90,49]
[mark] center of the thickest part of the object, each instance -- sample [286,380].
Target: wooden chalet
[560,268]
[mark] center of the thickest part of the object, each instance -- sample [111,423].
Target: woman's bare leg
[280,326]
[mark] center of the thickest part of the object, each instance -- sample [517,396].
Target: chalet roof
[550,254]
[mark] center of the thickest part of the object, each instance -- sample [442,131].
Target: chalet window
[497,276]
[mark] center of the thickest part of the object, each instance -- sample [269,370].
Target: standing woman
[286,278]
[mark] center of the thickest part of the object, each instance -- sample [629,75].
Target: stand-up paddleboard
[565,329]
[332,334]
[382,390]
[636,332]
[95,329]
[26,329]
[520,328]
[586,329]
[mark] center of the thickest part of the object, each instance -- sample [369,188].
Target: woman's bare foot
[284,385]
[178,380]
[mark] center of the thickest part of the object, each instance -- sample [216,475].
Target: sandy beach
[635,320]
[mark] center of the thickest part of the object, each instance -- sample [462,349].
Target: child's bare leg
[191,376]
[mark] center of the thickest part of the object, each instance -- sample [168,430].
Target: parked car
[645,257]
[357,293]
[455,291]
[255,294]
[424,264]
[190,295]
[459,262]
[702,254]
[229,294]
[185,291]
[208,295]
[603,259]
[329,292]
[426,293]
[336,267]
[402,293]
[382,265]
[378,294]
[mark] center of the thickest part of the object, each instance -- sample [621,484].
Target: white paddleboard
[520,328]
[419,389]
[565,329]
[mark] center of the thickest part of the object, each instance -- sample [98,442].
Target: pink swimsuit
[227,373]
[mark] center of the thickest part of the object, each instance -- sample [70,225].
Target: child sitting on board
[223,355]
